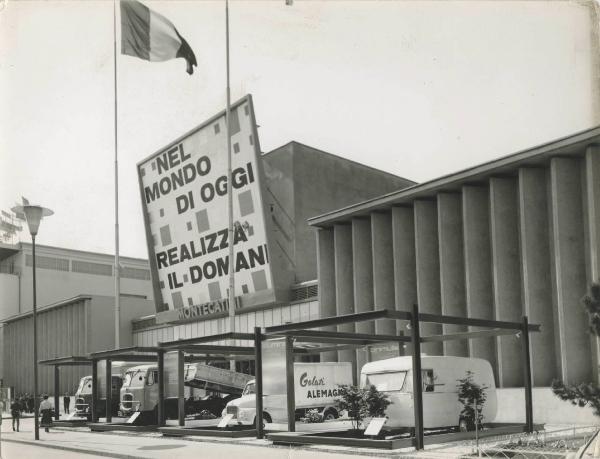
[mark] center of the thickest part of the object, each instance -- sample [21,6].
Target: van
[440,375]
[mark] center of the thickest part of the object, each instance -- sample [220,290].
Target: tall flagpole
[117,270]
[229,188]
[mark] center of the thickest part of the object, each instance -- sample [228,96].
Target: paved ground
[151,445]
[16,450]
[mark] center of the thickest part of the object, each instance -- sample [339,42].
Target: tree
[377,402]
[584,394]
[472,397]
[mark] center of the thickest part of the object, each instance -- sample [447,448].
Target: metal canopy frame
[138,354]
[66,361]
[302,332]
[200,349]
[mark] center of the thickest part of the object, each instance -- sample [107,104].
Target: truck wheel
[330,414]
[266,418]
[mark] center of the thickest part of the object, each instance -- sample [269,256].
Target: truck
[440,375]
[316,386]
[83,397]
[206,388]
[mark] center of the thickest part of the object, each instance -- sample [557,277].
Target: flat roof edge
[592,134]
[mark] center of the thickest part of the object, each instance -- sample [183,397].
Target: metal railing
[551,444]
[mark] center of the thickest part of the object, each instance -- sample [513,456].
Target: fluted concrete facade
[517,236]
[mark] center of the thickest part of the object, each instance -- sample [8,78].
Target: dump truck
[206,388]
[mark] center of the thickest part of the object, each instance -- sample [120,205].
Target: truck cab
[83,397]
[140,390]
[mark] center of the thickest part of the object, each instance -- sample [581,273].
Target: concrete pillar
[344,290]
[362,265]
[536,277]
[405,270]
[569,273]
[383,281]
[478,266]
[428,270]
[506,275]
[592,233]
[326,276]
[452,268]
[383,269]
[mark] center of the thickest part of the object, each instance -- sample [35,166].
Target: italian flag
[152,37]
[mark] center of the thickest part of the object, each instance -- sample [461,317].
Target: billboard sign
[184,197]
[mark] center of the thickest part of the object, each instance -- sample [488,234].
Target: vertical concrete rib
[344,290]
[592,216]
[536,277]
[383,281]
[478,266]
[362,264]
[326,276]
[428,269]
[506,274]
[405,265]
[569,268]
[452,268]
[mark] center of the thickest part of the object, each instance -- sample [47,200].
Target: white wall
[547,408]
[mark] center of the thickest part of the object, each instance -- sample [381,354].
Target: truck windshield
[393,380]
[85,385]
[249,389]
[134,378]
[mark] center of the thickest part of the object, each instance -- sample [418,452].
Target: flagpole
[117,270]
[229,187]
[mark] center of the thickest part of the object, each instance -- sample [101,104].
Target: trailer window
[134,378]
[393,380]
[428,381]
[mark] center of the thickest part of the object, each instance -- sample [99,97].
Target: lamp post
[34,215]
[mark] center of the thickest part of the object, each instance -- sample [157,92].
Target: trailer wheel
[330,414]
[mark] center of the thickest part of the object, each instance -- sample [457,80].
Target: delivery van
[83,395]
[440,375]
[316,386]
[205,388]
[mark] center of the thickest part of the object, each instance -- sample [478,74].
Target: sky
[416,88]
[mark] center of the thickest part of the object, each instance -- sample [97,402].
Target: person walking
[15,412]
[46,409]
[66,402]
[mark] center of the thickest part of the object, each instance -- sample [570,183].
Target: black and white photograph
[295,229]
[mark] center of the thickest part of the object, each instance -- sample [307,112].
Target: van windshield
[134,378]
[249,389]
[394,380]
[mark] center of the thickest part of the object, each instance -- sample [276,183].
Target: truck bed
[211,378]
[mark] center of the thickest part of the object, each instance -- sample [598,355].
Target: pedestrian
[15,412]
[67,402]
[46,410]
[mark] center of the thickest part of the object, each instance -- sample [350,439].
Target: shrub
[472,397]
[362,403]
[313,416]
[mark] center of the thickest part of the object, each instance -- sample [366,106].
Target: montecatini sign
[184,198]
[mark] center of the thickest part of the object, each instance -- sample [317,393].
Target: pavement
[21,445]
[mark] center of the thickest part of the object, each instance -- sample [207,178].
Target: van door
[397,386]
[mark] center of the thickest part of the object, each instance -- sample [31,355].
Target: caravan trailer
[440,375]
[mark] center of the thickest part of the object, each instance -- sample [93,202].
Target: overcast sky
[419,89]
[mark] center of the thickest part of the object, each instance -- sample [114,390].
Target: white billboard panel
[184,196]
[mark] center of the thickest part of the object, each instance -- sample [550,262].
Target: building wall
[521,241]
[244,323]
[302,182]
[75,327]
[59,275]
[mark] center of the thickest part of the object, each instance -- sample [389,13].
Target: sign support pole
[231,291]
[117,264]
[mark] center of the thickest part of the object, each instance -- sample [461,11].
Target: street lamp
[34,215]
